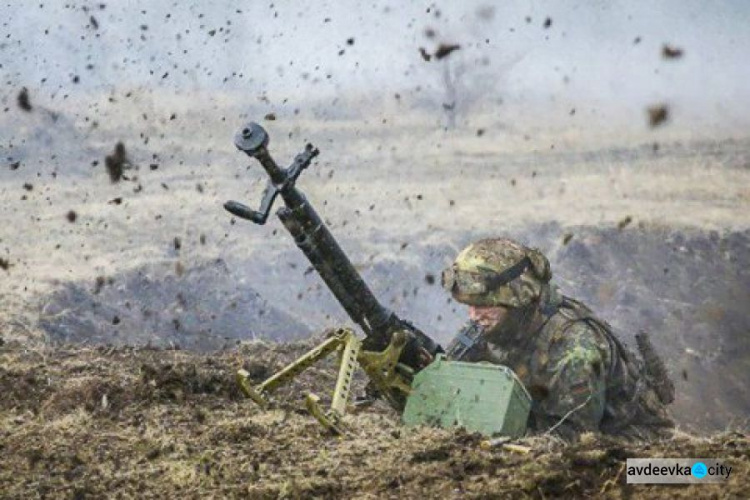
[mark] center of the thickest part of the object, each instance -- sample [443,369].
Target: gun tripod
[383,368]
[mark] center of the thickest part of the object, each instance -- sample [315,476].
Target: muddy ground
[149,423]
[126,306]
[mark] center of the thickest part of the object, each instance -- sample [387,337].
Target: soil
[121,422]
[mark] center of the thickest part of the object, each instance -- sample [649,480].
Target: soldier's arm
[575,380]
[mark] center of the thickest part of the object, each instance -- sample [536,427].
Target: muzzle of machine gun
[252,139]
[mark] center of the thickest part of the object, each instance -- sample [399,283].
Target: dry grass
[95,422]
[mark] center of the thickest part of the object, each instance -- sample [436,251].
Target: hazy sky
[606,53]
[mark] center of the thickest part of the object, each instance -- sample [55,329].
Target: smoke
[559,62]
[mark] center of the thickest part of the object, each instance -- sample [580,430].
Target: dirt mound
[203,307]
[93,422]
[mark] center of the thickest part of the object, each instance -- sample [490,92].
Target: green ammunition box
[482,397]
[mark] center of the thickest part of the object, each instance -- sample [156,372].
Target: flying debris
[658,114]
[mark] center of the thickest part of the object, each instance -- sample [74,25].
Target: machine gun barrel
[323,251]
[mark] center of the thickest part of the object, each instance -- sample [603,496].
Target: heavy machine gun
[393,349]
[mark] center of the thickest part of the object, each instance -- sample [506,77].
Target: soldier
[581,378]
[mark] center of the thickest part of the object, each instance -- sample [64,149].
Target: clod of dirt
[99,284]
[15,165]
[270,117]
[117,162]
[670,52]
[446,49]
[71,216]
[547,23]
[427,57]
[624,223]
[23,100]
[657,114]
[4,264]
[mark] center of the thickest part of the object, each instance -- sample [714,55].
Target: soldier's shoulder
[565,332]
[566,324]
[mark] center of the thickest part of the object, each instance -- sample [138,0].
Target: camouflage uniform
[580,377]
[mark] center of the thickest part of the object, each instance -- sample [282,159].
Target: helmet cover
[497,272]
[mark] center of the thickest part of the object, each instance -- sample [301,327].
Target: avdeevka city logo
[699,470]
[677,471]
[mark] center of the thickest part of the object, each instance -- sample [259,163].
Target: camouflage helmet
[497,272]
